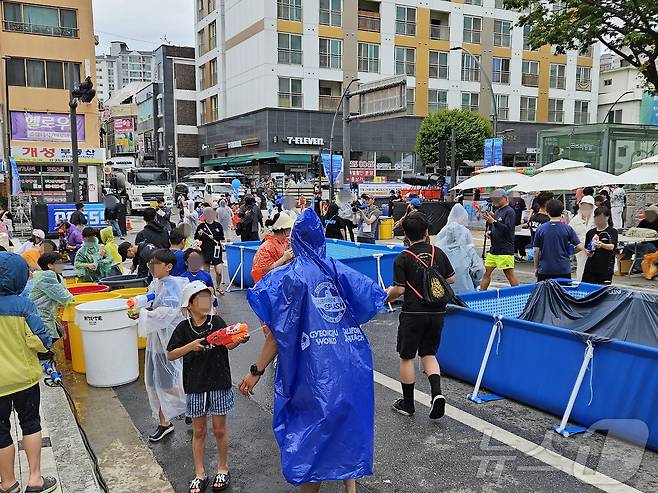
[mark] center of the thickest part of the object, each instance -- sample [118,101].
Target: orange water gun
[233,334]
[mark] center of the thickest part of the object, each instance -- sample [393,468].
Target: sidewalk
[63,455]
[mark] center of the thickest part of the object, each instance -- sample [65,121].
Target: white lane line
[531,449]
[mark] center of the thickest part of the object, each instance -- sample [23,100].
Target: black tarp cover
[608,313]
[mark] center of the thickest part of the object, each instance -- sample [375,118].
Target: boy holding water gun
[204,346]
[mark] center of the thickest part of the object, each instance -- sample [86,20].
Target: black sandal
[198,485]
[15,488]
[221,482]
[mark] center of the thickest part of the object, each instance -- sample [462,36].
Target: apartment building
[299,54]
[120,67]
[39,41]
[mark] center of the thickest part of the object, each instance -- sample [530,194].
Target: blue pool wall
[358,256]
[537,364]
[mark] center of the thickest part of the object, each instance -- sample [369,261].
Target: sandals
[221,482]
[198,485]
[15,488]
[49,484]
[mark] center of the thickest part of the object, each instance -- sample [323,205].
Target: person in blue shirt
[552,244]
[177,240]
[194,272]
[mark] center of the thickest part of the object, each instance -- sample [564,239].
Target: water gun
[137,302]
[50,370]
[590,245]
[232,334]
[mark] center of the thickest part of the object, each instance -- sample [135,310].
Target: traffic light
[84,91]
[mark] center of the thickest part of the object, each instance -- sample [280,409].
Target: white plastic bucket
[108,339]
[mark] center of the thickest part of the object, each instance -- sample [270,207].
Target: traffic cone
[129,225]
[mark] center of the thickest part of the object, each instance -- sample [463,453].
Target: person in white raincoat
[582,222]
[163,378]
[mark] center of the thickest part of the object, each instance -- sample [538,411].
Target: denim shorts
[213,403]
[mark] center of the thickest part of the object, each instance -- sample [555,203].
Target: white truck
[140,185]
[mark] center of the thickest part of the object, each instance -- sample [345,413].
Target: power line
[121,36]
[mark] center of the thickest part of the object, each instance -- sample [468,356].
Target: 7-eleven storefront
[46,171]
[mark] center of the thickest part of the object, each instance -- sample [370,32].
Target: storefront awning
[247,159]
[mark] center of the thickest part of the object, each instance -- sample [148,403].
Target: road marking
[531,449]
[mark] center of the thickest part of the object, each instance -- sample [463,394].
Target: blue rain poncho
[163,378]
[324,391]
[457,243]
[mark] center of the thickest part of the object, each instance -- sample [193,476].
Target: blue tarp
[324,392]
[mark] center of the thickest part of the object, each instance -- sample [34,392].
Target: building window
[405,20]
[290,93]
[530,73]
[470,67]
[528,109]
[470,101]
[438,64]
[472,29]
[473,2]
[331,53]
[499,4]
[502,33]
[502,105]
[330,12]
[583,78]
[290,49]
[369,58]
[615,116]
[213,72]
[556,110]
[411,100]
[557,77]
[405,61]
[438,100]
[581,112]
[35,19]
[212,35]
[607,82]
[500,71]
[290,10]
[526,38]
[214,109]
[40,73]
[211,6]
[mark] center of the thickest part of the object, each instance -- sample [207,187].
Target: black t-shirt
[210,236]
[502,231]
[203,371]
[603,261]
[536,220]
[407,269]
[333,226]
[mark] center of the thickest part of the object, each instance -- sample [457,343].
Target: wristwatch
[254,371]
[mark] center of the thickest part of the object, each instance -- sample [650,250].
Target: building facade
[39,41]
[120,67]
[621,85]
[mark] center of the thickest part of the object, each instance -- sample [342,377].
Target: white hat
[38,233]
[587,199]
[284,221]
[191,289]
[652,208]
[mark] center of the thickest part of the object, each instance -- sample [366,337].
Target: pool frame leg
[473,396]
[378,258]
[240,269]
[562,428]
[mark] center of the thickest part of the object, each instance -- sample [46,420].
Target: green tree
[626,27]
[472,128]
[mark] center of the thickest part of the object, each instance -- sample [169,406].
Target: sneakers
[438,407]
[400,407]
[161,432]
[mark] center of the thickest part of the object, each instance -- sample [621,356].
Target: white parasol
[565,175]
[493,177]
[646,173]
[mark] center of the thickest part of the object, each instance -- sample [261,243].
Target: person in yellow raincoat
[107,238]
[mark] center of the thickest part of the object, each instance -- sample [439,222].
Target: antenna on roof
[165,40]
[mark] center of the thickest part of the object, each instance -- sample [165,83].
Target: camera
[356,205]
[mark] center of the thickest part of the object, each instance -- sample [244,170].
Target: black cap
[123,250]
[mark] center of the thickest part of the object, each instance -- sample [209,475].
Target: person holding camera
[367,218]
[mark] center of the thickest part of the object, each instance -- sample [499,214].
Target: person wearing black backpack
[422,274]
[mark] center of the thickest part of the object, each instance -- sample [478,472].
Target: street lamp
[607,115]
[494,120]
[331,143]
[8,125]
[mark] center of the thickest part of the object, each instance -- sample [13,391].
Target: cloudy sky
[143,23]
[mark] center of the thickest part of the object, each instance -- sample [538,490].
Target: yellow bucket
[70,281]
[129,293]
[386,228]
[75,336]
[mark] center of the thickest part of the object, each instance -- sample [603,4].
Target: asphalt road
[411,454]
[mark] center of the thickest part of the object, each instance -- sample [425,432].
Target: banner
[38,154]
[15,177]
[649,109]
[493,152]
[335,170]
[51,127]
[58,213]
[123,125]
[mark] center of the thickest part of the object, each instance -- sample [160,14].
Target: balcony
[503,113]
[583,85]
[530,80]
[434,107]
[439,32]
[558,82]
[290,57]
[369,21]
[581,117]
[556,116]
[528,115]
[22,27]
[329,103]
[407,28]
[500,77]
[470,74]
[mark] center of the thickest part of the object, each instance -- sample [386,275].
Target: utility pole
[8,165]
[453,162]
[347,142]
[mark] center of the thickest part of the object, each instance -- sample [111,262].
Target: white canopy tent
[646,173]
[493,177]
[565,175]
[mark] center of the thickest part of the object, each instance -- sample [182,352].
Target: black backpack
[434,289]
